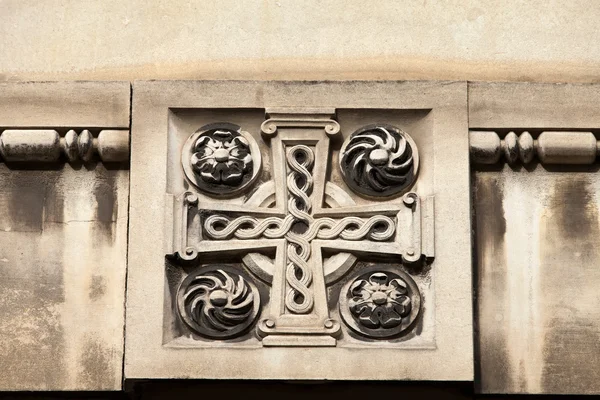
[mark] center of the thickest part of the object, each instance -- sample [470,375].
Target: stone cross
[303,218]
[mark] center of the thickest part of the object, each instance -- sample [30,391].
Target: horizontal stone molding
[550,147]
[48,146]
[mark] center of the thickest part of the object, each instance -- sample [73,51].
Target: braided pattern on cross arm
[298,275]
[327,228]
[248,227]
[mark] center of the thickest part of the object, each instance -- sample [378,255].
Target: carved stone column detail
[550,147]
[47,145]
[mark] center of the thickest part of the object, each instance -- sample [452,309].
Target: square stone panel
[287,230]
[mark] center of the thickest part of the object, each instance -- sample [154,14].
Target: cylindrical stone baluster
[567,147]
[551,147]
[38,145]
[485,147]
[19,145]
[113,145]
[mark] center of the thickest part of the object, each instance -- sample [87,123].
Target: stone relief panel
[279,229]
[298,232]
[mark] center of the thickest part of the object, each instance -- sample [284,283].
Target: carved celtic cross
[312,226]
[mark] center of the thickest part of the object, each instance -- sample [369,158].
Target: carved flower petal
[399,285]
[211,173]
[389,317]
[357,286]
[403,302]
[202,142]
[378,279]
[369,318]
[232,172]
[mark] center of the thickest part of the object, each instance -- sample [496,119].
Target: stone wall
[63,226]
[545,41]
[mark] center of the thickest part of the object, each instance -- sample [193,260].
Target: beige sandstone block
[63,244]
[541,41]
[180,204]
[536,224]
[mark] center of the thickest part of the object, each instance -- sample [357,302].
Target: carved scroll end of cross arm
[180,211]
[416,228]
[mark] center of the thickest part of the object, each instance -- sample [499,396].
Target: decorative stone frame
[448,357]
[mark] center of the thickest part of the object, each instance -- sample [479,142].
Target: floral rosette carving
[218,304]
[221,159]
[379,161]
[380,304]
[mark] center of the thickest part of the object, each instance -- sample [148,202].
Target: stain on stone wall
[490,227]
[62,270]
[538,314]
[570,255]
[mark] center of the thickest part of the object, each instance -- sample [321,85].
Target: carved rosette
[380,304]
[221,159]
[218,304]
[379,161]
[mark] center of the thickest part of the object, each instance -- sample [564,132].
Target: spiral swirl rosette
[379,161]
[218,304]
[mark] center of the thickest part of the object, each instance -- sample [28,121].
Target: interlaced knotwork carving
[378,228]
[271,228]
[352,228]
[313,225]
[300,159]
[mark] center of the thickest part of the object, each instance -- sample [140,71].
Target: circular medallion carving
[221,159]
[218,304]
[380,303]
[379,161]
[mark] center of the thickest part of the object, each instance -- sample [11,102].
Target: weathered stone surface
[65,105]
[536,234]
[62,271]
[47,146]
[63,240]
[549,147]
[533,106]
[284,39]
[180,265]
